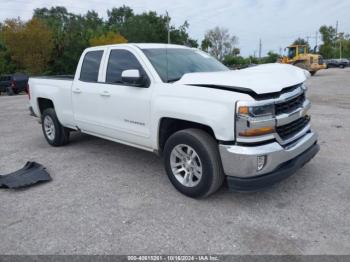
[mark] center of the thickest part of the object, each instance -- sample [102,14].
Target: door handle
[105,93]
[77,90]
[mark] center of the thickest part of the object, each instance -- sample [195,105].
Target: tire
[313,73]
[9,91]
[54,132]
[206,158]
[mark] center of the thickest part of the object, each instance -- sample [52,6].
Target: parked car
[341,63]
[13,84]
[250,126]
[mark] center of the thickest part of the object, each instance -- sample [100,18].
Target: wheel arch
[44,103]
[168,126]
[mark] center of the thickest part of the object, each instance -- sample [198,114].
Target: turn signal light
[243,110]
[257,131]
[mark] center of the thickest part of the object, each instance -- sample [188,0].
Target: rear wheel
[9,91]
[193,163]
[54,132]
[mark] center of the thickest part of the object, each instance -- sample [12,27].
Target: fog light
[261,160]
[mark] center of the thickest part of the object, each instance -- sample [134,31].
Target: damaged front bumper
[241,163]
[32,173]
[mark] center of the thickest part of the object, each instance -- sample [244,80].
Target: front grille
[291,129]
[290,105]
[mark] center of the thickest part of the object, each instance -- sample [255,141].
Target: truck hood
[262,79]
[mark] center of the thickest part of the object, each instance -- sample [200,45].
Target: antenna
[166,47]
[168,26]
[167,63]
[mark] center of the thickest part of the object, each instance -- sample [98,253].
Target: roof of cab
[139,45]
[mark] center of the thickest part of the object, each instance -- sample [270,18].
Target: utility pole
[336,29]
[168,26]
[316,41]
[337,35]
[260,47]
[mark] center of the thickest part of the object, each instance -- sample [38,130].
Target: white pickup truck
[250,127]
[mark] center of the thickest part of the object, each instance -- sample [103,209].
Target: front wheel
[192,162]
[313,73]
[54,132]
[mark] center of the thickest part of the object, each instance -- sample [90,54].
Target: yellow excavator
[298,55]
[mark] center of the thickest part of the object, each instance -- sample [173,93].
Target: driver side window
[120,60]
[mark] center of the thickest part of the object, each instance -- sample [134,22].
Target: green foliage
[29,44]
[147,27]
[301,41]
[234,61]
[6,64]
[270,58]
[334,44]
[118,16]
[108,39]
[72,33]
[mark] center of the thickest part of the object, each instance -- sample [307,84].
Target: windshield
[301,50]
[172,63]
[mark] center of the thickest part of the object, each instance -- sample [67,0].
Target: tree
[107,39]
[219,42]
[6,64]
[234,61]
[118,16]
[301,41]
[71,34]
[181,37]
[29,44]
[271,57]
[206,44]
[329,36]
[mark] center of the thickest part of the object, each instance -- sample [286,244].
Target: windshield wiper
[173,80]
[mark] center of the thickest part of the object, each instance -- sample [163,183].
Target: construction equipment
[299,56]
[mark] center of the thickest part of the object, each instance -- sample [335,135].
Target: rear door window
[91,66]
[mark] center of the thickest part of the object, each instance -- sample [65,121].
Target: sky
[276,22]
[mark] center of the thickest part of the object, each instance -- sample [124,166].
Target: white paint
[132,115]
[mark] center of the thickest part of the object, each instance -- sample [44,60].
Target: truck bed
[54,88]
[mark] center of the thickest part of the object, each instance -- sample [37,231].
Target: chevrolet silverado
[250,127]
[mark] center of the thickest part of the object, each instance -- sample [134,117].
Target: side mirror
[133,77]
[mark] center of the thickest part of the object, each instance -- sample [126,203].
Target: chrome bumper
[241,161]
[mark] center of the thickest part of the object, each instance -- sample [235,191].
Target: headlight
[257,111]
[264,114]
